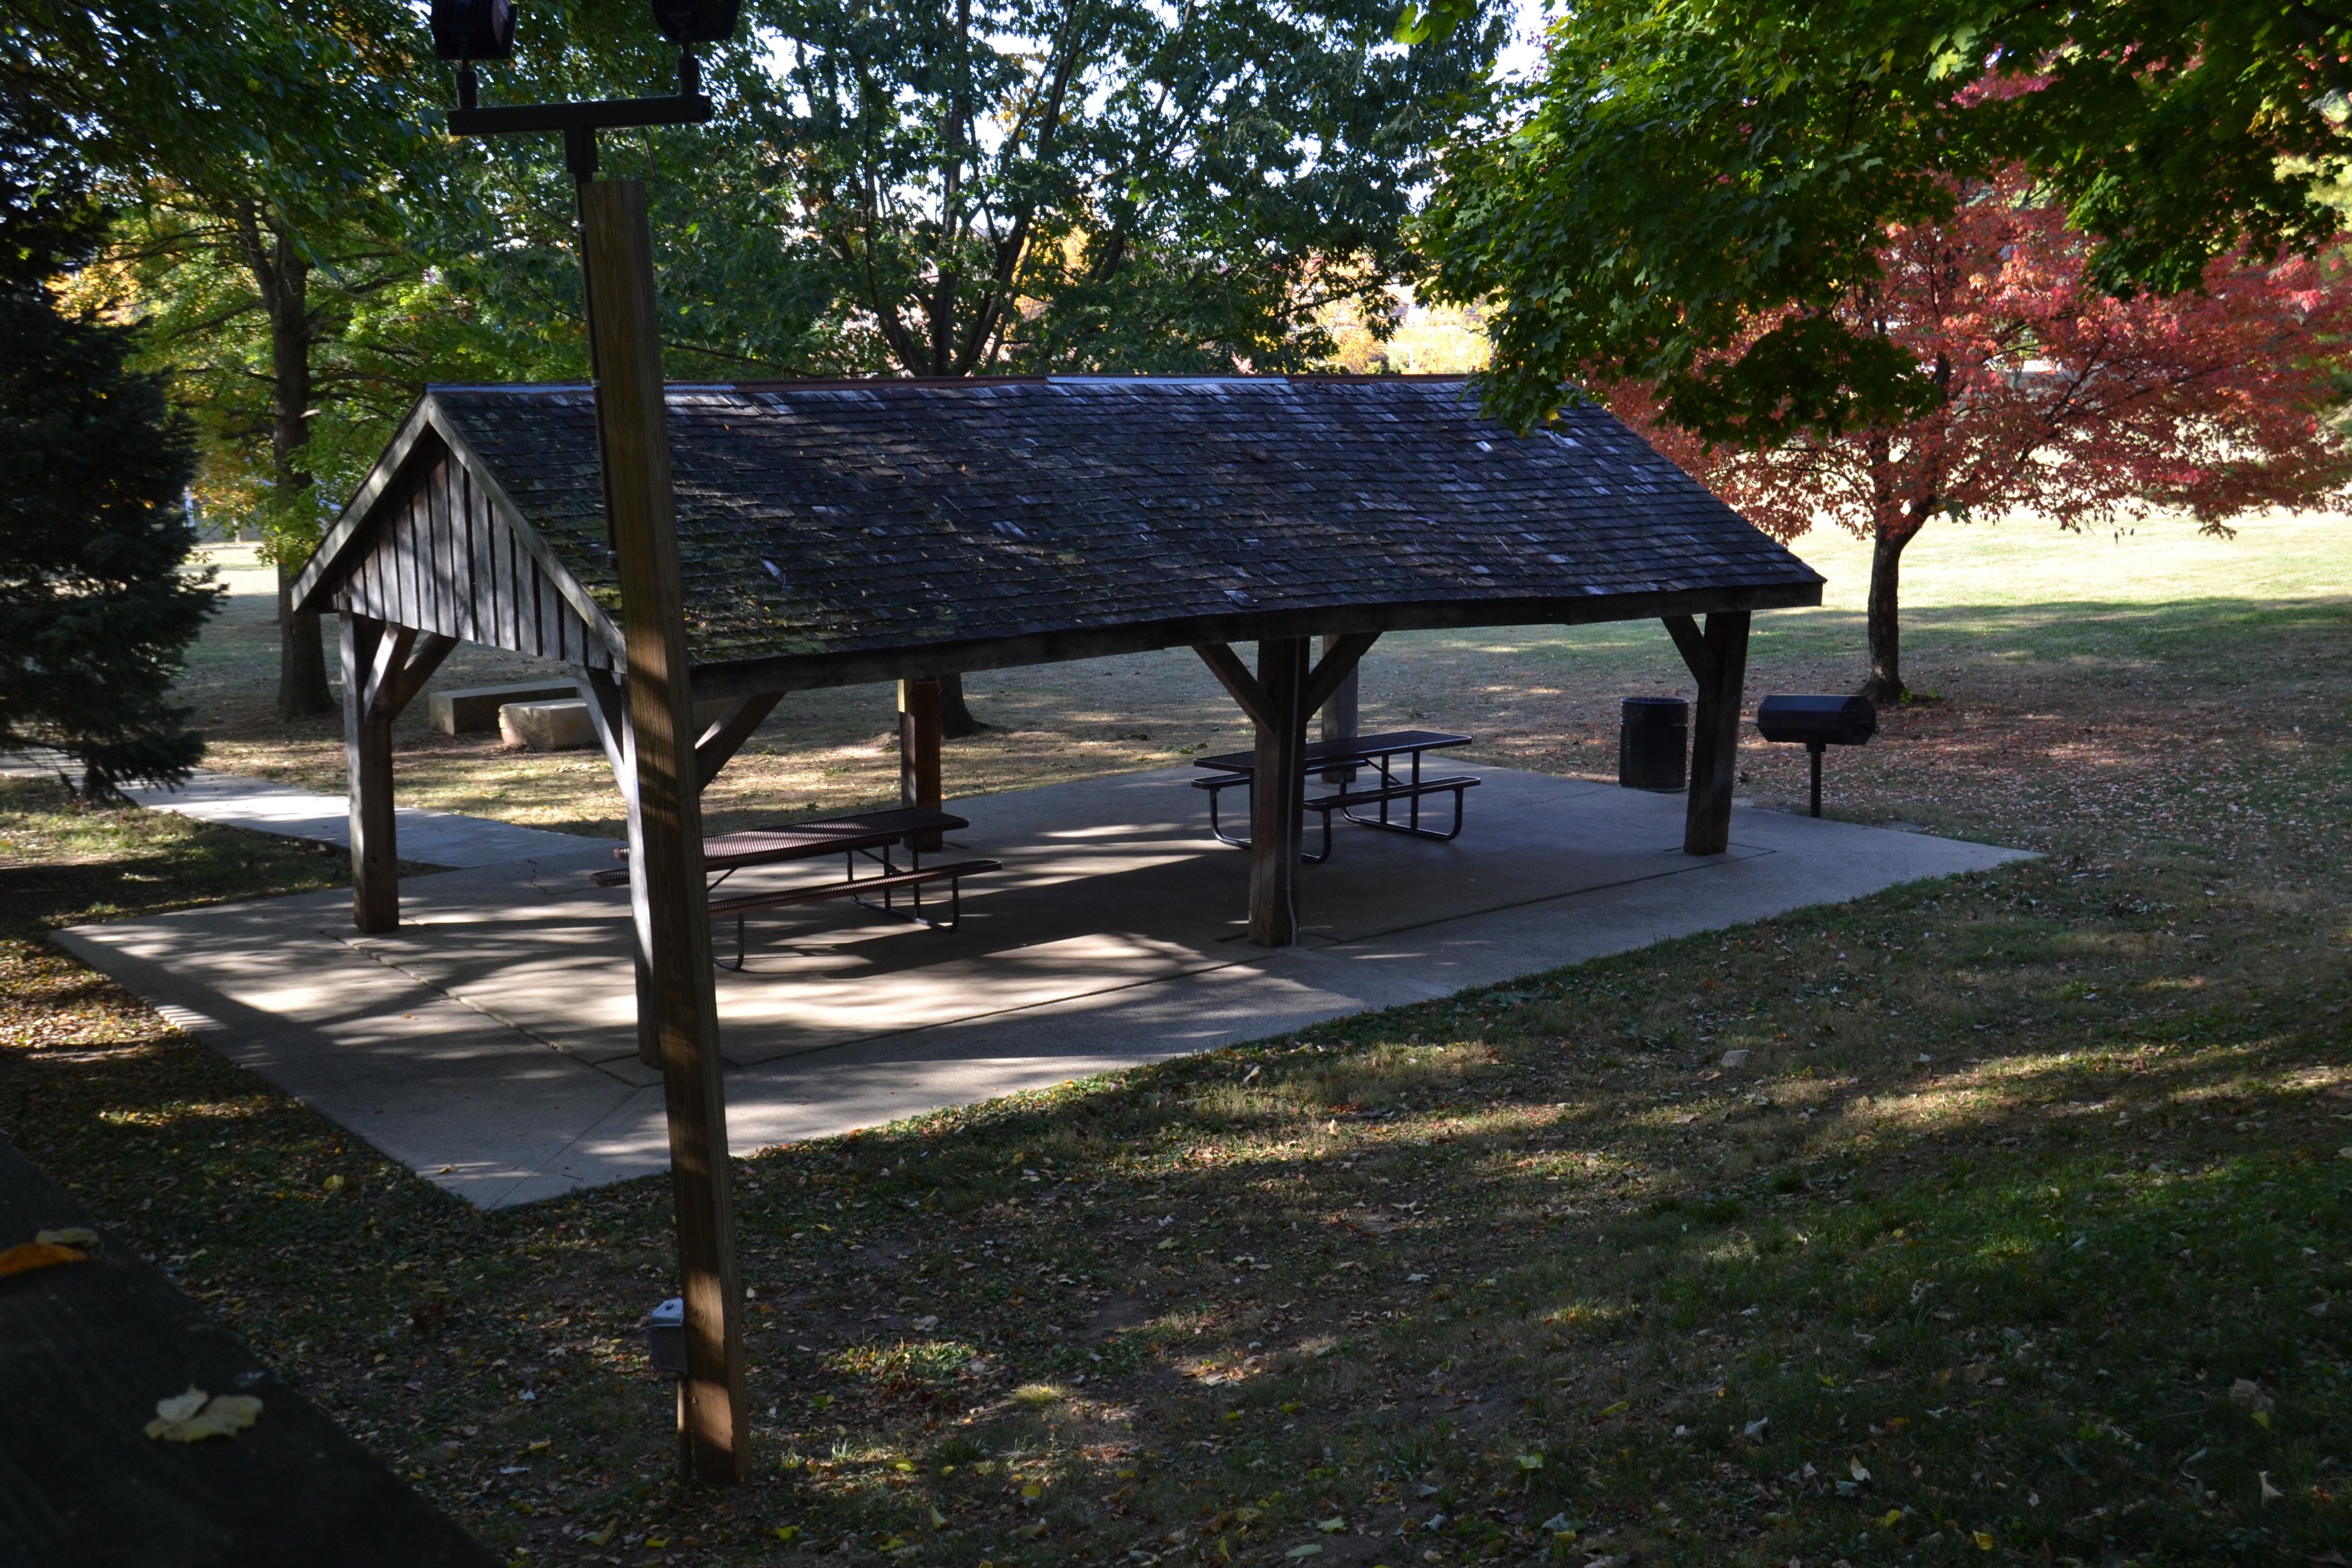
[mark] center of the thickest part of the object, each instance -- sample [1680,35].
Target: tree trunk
[303,690]
[957,721]
[281,276]
[1885,682]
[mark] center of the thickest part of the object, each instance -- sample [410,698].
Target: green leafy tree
[95,611]
[283,137]
[1098,185]
[1686,166]
[1101,186]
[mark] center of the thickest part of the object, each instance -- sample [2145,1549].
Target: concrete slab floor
[490,1042]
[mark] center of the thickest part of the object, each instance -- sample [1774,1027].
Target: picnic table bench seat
[872,835]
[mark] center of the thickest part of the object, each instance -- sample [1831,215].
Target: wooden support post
[608,708]
[1722,676]
[633,437]
[1277,792]
[1340,722]
[918,752]
[385,666]
[367,755]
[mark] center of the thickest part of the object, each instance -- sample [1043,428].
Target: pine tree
[96,614]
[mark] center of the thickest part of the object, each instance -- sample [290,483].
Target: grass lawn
[2022,1230]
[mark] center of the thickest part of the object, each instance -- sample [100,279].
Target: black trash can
[1654,743]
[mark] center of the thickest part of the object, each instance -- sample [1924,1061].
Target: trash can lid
[1648,711]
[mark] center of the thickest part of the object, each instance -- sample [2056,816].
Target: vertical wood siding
[441,560]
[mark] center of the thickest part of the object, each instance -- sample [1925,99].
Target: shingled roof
[834,532]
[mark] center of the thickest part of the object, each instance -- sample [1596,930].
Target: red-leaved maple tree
[2059,399]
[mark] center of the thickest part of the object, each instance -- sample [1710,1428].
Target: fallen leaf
[26,1257]
[599,1537]
[194,1417]
[1984,1539]
[1312,1549]
[1331,1526]
[180,1407]
[79,1238]
[925,1324]
[2268,1491]
[1855,1467]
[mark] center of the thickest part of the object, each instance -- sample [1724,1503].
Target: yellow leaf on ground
[74,1236]
[180,1407]
[194,1417]
[28,1256]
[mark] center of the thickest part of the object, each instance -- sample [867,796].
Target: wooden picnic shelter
[837,533]
[802,534]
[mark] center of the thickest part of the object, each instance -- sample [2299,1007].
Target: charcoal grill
[1817,723]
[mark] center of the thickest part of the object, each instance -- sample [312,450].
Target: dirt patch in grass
[2022,1230]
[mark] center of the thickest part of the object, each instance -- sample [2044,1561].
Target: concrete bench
[474,710]
[565,725]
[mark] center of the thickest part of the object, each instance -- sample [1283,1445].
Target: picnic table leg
[1277,793]
[918,752]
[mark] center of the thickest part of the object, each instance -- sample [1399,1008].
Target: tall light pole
[640,512]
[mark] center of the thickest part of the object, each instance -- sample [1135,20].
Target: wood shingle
[841,531]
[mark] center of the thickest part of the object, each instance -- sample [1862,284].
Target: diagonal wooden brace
[1227,666]
[726,737]
[1691,643]
[1341,655]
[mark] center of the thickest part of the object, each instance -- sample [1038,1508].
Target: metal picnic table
[873,835]
[1339,761]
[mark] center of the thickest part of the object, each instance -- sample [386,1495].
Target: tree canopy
[1101,184]
[1688,163]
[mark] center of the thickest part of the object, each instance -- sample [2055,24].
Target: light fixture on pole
[675,1007]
